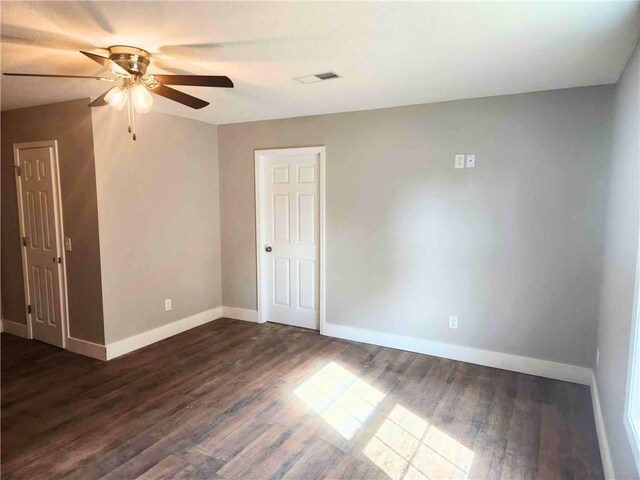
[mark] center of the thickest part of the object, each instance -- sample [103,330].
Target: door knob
[267,248]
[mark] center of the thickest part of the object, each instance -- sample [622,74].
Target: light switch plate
[471,161]
[459,163]
[67,244]
[167,305]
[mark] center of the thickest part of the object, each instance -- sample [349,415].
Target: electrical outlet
[471,161]
[459,163]
[453,322]
[597,357]
[167,305]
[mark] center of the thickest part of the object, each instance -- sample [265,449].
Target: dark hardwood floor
[239,400]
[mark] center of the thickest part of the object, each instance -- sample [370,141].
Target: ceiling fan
[129,65]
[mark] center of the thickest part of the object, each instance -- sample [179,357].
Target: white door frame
[259,175]
[57,201]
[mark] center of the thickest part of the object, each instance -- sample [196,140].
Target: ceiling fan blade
[107,63]
[100,101]
[196,80]
[105,79]
[178,96]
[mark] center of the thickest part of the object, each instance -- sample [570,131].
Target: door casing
[57,200]
[259,176]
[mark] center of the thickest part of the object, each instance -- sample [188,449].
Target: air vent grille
[318,77]
[327,75]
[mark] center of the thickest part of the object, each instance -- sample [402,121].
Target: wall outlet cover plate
[471,161]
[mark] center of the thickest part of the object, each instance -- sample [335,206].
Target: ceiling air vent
[318,77]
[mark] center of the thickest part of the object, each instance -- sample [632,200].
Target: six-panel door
[290,206]
[42,249]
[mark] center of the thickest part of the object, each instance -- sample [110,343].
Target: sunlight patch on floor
[342,399]
[405,446]
[408,447]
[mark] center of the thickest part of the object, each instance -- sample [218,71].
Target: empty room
[320,240]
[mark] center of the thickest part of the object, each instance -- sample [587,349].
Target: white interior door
[289,235]
[41,229]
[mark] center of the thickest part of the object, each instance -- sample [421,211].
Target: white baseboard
[15,328]
[143,339]
[240,314]
[86,348]
[135,342]
[504,361]
[603,442]
[75,345]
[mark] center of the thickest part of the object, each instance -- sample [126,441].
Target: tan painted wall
[70,124]
[159,214]
[512,247]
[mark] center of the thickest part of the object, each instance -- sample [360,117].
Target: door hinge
[18,169]
[28,308]
[24,241]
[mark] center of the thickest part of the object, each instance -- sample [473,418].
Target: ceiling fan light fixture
[116,97]
[133,86]
[142,100]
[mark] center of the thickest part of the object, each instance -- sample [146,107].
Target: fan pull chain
[132,115]
[133,122]
[129,105]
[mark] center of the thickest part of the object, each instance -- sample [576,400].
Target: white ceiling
[389,53]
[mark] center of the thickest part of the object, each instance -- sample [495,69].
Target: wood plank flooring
[234,399]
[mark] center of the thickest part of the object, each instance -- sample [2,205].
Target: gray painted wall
[512,247]
[70,124]
[619,265]
[159,217]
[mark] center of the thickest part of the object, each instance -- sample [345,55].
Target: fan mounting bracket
[132,59]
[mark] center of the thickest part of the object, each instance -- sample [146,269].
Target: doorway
[290,236]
